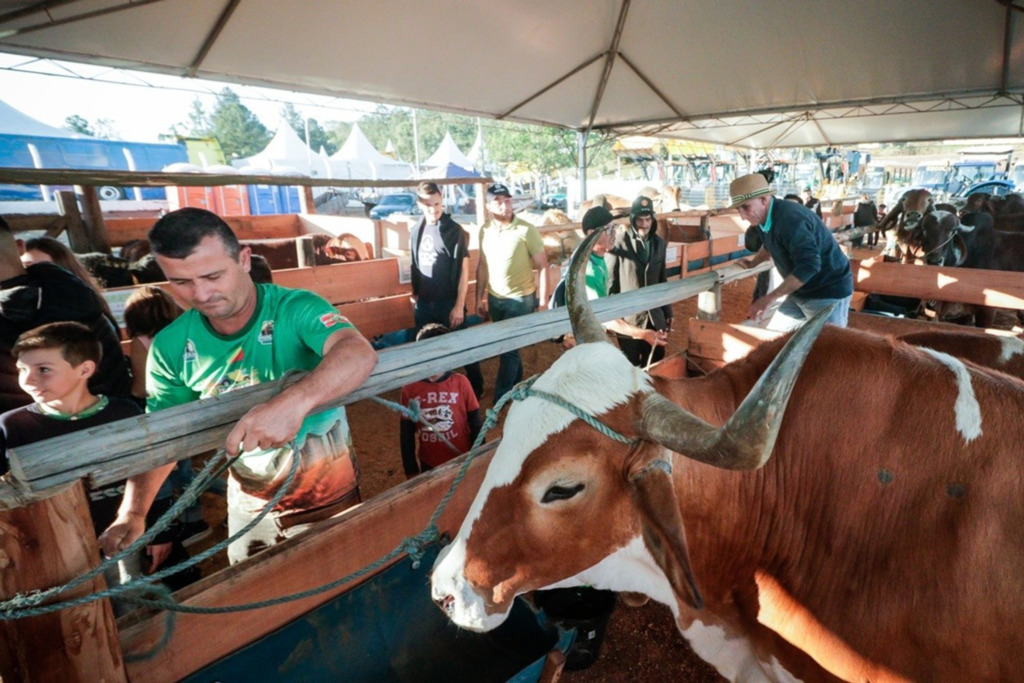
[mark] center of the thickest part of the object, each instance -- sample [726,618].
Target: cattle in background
[327,250]
[819,541]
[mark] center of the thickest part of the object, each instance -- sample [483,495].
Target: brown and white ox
[849,547]
[998,352]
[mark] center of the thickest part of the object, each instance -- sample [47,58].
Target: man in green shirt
[510,250]
[239,334]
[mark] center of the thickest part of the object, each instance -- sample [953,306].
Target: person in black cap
[637,260]
[510,250]
[600,218]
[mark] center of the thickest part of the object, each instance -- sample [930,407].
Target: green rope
[414,546]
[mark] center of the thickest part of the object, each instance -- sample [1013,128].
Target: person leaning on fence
[600,218]
[44,293]
[55,362]
[866,216]
[238,334]
[636,260]
[447,403]
[816,273]
[439,249]
[510,250]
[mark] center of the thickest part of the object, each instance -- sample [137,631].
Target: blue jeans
[794,311]
[437,312]
[510,364]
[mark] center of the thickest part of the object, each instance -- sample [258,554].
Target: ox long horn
[746,441]
[585,326]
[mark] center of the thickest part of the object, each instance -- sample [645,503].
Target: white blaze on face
[1011,346]
[594,377]
[966,408]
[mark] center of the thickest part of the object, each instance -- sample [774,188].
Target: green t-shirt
[190,361]
[597,277]
[509,250]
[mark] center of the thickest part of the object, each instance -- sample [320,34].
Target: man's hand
[655,337]
[268,425]
[157,554]
[456,317]
[757,309]
[746,262]
[122,533]
[481,307]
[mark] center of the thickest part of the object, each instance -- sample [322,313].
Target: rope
[133,592]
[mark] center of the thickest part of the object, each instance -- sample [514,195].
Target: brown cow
[829,542]
[1004,353]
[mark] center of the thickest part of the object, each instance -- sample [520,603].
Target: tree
[239,131]
[78,124]
[318,137]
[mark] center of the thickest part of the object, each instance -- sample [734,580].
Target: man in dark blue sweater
[816,273]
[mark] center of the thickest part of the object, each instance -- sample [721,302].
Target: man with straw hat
[816,273]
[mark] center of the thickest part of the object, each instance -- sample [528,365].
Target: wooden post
[304,251]
[306,203]
[45,544]
[709,303]
[67,206]
[96,229]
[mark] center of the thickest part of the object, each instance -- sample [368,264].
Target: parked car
[398,202]
[554,201]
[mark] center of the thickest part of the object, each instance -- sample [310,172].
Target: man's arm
[788,286]
[652,337]
[458,313]
[347,361]
[540,262]
[130,523]
[481,284]
[757,259]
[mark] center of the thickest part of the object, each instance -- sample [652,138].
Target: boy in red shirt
[448,403]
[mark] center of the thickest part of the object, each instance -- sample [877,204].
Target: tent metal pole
[581,155]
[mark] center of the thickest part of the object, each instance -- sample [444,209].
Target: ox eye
[561,493]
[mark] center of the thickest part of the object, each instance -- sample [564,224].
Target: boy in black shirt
[55,362]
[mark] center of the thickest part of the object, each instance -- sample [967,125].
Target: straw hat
[746,188]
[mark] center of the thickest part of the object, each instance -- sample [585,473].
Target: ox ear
[959,250]
[650,476]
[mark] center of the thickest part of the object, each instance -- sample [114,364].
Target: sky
[141,106]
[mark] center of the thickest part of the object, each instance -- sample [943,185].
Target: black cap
[642,206]
[498,190]
[596,218]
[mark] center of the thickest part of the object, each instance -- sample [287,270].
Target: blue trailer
[85,153]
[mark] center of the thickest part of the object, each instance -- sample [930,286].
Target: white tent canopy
[358,158]
[286,151]
[758,74]
[448,154]
[14,122]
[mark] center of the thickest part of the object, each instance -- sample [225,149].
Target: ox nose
[447,604]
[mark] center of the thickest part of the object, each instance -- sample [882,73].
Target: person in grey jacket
[637,259]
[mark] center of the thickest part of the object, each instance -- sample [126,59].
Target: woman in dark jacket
[637,260]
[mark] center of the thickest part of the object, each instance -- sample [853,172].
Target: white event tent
[449,155]
[286,152]
[359,159]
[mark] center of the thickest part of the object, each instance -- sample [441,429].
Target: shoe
[193,532]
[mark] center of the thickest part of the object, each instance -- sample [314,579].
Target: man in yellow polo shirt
[510,250]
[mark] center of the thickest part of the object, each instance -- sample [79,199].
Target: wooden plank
[985,287]
[115,451]
[78,236]
[350,541]
[347,282]
[53,224]
[99,177]
[379,316]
